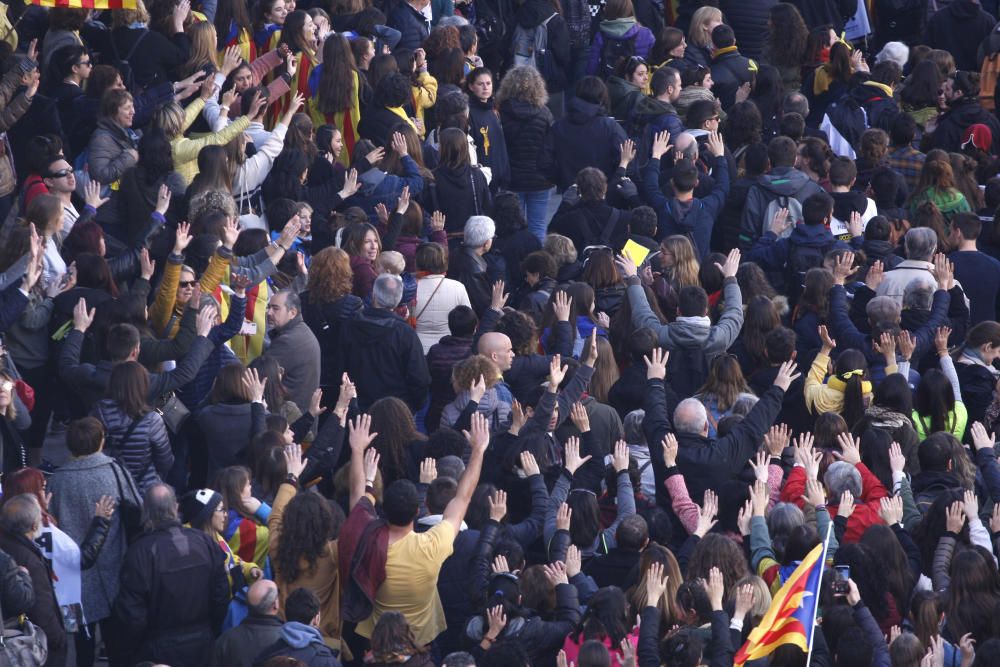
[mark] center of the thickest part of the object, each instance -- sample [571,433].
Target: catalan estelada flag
[792,614]
[87,4]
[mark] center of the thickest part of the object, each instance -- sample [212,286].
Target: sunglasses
[62,173]
[187,283]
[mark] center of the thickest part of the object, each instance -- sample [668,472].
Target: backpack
[614,51]
[123,65]
[988,80]
[489,24]
[687,369]
[529,46]
[794,213]
[801,258]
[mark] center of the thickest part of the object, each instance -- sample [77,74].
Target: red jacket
[866,508]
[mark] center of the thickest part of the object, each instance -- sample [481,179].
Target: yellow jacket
[424,96]
[822,397]
[186,150]
[165,313]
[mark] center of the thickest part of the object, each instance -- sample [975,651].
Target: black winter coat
[377,123]
[441,358]
[491,147]
[958,29]
[585,224]
[460,194]
[227,429]
[953,123]
[241,645]
[749,19]
[326,320]
[470,270]
[820,12]
[585,137]
[173,598]
[45,612]
[156,57]
[17,595]
[409,22]
[730,70]
[525,128]
[385,358]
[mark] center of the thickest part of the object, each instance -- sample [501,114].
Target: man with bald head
[239,646]
[505,331]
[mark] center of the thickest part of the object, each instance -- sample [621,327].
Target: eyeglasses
[62,173]
[220,510]
[84,62]
[187,283]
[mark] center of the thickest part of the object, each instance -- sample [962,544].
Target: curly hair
[521,329]
[786,43]
[308,525]
[442,38]
[744,125]
[467,372]
[330,275]
[525,84]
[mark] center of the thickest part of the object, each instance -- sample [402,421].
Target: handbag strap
[430,298]
[475,197]
[115,464]
[609,228]
[124,440]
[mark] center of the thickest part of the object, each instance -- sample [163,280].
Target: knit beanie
[197,506]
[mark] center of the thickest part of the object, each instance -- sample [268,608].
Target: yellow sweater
[165,313]
[424,97]
[186,150]
[821,397]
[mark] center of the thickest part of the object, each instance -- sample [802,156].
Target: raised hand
[759,464]
[656,584]
[843,267]
[897,462]
[572,455]
[759,498]
[294,463]
[105,507]
[828,342]
[479,437]
[670,450]
[707,515]
[715,588]
[787,374]
[359,433]
[891,510]
[656,364]
[980,438]
[556,373]
[578,415]
[846,507]
[907,344]
[561,304]
[776,439]
[254,385]
[528,464]
[941,340]
[954,517]
[371,465]
[732,264]
[498,299]
[620,457]
[498,505]
[850,449]
[780,222]
[627,153]
[182,238]
[428,470]
[875,276]
[82,318]
[563,517]
[92,196]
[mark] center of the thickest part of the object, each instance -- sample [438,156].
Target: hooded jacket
[958,29]
[780,182]
[694,218]
[656,115]
[491,147]
[623,95]
[302,642]
[585,137]
[384,355]
[772,253]
[952,123]
[877,101]
[459,194]
[525,128]
[626,28]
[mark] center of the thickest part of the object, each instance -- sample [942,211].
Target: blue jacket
[378,187]
[700,217]
[409,22]
[771,253]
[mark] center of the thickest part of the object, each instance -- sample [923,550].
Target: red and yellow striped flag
[87,4]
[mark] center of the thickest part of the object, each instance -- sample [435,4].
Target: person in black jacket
[381,351]
[532,14]
[174,589]
[586,137]
[818,13]
[961,94]
[588,220]
[300,638]
[160,55]
[526,122]
[17,594]
[468,263]
[486,129]
[705,464]
[751,22]
[408,19]
[21,523]
[461,188]
[613,568]
[730,69]
[239,646]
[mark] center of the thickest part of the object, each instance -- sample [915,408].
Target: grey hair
[263,607]
[842,476]
[21,515]
[387,291]
[918,295]
[479,230]
[160,507]
[783,518]
[690,416]
[797,103]
[455,20]
[690,151]
[459,658]
[743,404]
[632,425]
[882,309]
[920,244]
[897,52]
[292,300]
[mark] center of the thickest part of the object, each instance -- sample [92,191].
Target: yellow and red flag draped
[87,4]
[792,614]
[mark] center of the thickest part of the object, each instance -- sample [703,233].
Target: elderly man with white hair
[920,245]
[468,263]
[381,351]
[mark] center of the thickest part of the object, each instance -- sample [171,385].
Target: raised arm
[479,439]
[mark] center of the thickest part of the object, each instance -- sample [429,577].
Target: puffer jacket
[525,128]
[459,194]
[107,156]
[326,321]
[227,430]
[441,358]
[145,452]
[749,19]
[378,187]
[620,30]
[585,137]
[437,296]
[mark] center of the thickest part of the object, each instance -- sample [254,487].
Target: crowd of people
[499,332]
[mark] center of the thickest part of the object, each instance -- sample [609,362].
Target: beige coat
[432,307]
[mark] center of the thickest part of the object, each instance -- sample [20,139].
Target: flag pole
[812,626]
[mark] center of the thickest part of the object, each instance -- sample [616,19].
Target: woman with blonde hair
[175,120]
[526,121]
[204,53]
[670,611]
[477,384]
[679,262]
[699,41]
[327,303]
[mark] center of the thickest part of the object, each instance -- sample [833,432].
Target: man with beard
[961,94]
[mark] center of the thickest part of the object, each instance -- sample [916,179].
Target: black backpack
[801,258]
[613,52]
[687,370]
[123,65]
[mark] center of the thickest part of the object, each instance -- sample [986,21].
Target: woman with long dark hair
[786,44]
[768,94]
[761,318]
[303,546]
[461,190]
[848,390]
[338,93]
[920,92]
[234,28]
[937,404]
[831,80]
[269,17]
[245,528]
[398,442]
[299,34]
[136,436]
[724,386]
